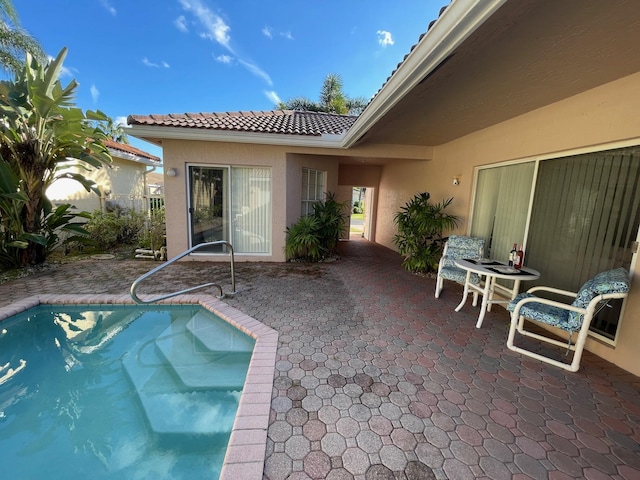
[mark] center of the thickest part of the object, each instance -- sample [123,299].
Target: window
[312,189]
[231,204]
[583,218]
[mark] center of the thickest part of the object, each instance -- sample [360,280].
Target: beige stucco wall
[286,169]
[604,117]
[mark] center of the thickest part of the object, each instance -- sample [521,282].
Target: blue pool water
[106,392]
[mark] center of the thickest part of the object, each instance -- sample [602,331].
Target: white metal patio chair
[574,317]
[458,247]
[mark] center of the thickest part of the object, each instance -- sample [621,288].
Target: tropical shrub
[42,136]
[111,229]
[315,237]
[420,228]
[153,234]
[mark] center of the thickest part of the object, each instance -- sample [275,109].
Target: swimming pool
[113,391]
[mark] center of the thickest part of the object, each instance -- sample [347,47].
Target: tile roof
[289,122]
[123,147]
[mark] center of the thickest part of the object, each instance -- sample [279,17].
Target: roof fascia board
[175,133]
[457,22]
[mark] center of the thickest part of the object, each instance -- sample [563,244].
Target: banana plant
[43,136]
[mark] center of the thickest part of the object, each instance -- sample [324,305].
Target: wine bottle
[512,254]
[519,259]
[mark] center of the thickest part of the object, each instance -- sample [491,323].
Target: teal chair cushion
[460,247]
[456,274]
[611,281]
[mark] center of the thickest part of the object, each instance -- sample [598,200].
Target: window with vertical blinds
[312,189]
[583,219]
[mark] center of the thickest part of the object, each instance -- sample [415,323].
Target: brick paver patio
[376,379]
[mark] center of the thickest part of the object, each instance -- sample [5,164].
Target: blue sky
[176,56]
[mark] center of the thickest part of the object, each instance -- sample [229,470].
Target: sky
[147,57]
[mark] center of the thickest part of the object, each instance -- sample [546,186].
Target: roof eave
[175,133]
[457,22]
[132,157]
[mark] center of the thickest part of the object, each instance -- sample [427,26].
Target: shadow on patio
[377,379]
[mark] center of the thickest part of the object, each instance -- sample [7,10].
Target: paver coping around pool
[248,442]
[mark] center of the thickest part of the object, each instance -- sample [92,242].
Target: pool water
[108,391]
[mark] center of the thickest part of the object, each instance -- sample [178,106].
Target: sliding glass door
[501,205]
[583,217]
[231,204]
[585,220]
[209,206]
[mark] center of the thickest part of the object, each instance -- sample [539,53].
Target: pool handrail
[141,278]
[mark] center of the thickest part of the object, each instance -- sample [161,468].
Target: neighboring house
[123,183]
[526,112]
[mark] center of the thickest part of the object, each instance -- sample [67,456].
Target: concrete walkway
[376,379]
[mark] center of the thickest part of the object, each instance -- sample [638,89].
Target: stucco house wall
[122,182]
[286,173]
[601,118]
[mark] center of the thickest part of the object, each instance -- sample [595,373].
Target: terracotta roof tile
[288,122]
[123,147]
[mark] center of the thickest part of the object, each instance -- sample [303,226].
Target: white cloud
[149,63]
[273,97]
[384,38]
[257,71]
[121,121]
[95,93]
[224,59]
[181,23]
[109,7]
[215,27]
[268,32]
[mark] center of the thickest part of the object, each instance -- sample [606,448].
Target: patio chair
[458,247]
[574,317]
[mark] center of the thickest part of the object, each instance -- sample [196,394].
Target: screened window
[313,185]
[583,219]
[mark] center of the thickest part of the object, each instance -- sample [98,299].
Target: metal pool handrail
[141,278]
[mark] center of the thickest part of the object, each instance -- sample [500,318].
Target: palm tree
[332,100]
[14,41]
[42,136]
[115,131]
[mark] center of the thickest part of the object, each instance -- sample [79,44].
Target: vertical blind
[501,206]
[584,216]
[251,205]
